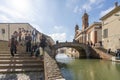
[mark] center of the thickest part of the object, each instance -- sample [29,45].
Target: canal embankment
[51,69]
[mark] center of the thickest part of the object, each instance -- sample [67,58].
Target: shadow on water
[62,60]
[65,71]
[89,69]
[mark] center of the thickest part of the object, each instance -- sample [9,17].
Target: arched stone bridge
[83,49]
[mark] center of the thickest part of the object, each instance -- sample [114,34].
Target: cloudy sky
[56,18]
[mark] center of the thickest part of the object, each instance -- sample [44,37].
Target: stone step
[9,55]
[9,70]
[4,48]
[19,66]
[1,53]
[17,58]
[5,52]
[8,52]
[20,61]
[18,53]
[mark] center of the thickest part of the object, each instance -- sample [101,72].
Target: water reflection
[86,69]
[63,58]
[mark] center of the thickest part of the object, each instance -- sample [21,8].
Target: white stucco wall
[113,25]
[11,27]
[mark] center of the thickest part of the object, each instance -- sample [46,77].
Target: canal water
[88,69]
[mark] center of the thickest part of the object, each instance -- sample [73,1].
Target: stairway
[21,62]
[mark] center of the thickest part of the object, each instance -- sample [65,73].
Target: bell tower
[85,23]
[76,27]
[76,30]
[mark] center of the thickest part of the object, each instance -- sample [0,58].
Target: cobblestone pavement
[23,76]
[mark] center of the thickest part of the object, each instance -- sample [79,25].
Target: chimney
[116,4]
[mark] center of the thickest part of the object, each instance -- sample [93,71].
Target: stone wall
[51,69]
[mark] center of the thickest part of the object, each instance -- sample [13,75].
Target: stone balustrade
[51,69]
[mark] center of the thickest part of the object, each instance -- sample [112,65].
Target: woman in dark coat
[13,46]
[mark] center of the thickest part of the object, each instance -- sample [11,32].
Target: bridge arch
[88,52]
[74,52]
[79,47]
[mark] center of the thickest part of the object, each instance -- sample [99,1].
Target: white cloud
[71,38]
[35,13]
[70,3]
[13,15]
[58,27]
[96,2]
[16,4]
[77,9]
[38,27]
[88,6]
[59,36]
[4,18]
[105,11]
[92,1]
[11,12]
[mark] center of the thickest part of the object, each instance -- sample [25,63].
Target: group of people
[21,35]
[26,38]
[117,53]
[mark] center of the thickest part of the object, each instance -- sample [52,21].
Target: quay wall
[51,69]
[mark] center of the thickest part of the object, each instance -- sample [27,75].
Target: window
[105,33]
[3,31]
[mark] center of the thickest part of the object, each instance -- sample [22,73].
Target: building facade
[89,34]
[7,30]
[111,29]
